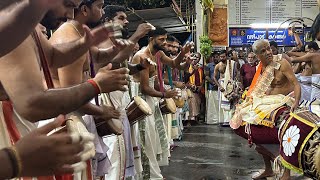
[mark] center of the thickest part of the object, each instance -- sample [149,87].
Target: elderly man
[273,82]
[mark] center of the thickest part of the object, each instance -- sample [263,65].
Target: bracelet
[15,161]
[95,85]
[139,67]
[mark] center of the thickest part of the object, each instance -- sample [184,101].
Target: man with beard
[23,79]
[123,160]
[227,70]
[171,80]
[274,80]
[152,131]
[18,15]
[88,13]
[212,115]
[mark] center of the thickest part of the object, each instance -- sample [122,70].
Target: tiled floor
[209,152]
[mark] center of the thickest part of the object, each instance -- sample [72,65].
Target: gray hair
[257,43]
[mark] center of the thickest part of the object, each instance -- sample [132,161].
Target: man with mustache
[152,129]
[227,70]
[248,70]
[88,13]
[273,82]
[21,75]
[122,163]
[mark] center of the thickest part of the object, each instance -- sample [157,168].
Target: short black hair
[313,45]
[87,3]
[214,53]
[223,52]
[110,11]
[159,31]
[274,44]
[170,38]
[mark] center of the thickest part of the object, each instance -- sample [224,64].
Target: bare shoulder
[284,65]
[25,50]
[65,33]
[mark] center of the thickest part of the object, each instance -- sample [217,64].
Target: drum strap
[50,85]
[169,70]
[43,61]
[159,69]
[92,75]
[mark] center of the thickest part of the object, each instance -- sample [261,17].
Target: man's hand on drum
[110,112]
[58,153]
[112,80]
[180,85]
[170,93]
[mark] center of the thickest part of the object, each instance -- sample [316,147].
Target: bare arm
[72,75]
[287,71]
[26,15]
[215,74]
[144,83]
[298,40]
[104,55]
[61,54]
[297,54]
[28,94]
[306,58]
[141,31]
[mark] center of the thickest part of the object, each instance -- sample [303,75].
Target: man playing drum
[31,99]
[268,93]
[153,127]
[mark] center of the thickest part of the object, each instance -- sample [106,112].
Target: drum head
[143,105]
[171,105]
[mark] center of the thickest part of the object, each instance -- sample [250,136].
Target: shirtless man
[123,163]
[312,58]
[284,82]
[88,13]
[34,102]
[154,50]
[225,104]
[117,14]
[172,50]
[17,15]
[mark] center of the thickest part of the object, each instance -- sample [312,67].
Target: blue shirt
[210,68]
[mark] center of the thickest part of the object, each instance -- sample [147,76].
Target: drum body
[299,143]
[267,131]
[167,106]
[179,101]
[75,125]
[137,110]
[107,127]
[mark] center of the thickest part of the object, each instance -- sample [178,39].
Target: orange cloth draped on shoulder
[255,79]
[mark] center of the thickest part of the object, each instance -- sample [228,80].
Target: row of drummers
[138,109]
